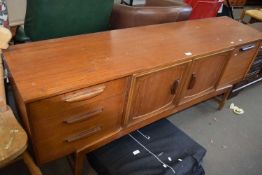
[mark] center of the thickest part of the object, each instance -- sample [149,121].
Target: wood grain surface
[51,67]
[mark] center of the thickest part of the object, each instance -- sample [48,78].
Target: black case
[157,149]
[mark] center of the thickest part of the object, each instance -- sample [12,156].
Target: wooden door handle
[83,117]
[83,134]
[246,48]
[174,87]
[85,95]
[192,81]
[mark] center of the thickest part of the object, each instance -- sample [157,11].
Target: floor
[233,142]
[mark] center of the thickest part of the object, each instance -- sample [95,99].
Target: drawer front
[59,136]
[60,127]
[239,63]
[74,101]
[96,92]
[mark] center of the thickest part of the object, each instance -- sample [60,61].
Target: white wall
[16,11]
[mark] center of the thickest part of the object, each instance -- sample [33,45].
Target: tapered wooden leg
[222,101]
[242,16]
[79,163]
[34,170]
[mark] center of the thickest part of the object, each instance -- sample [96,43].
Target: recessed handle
[85,95]
[192,81]
[174,87]
[83,117]
[246,48]
[83,134]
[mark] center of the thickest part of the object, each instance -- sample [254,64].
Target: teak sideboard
[78,93]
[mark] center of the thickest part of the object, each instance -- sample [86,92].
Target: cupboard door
[154,92]
[204,76]
[238,64]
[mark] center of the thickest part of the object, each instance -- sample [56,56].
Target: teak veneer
[78,93]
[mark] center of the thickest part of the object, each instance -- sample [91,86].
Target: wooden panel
[237,2]
[52,67]
[93,93]
[59,106]
[58,131]
[13,138]
[239,64]
[204,76]
[154,91]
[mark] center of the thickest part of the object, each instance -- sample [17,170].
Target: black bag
[157,149]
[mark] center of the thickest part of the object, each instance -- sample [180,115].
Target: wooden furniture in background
[238,3]
[254,14]
[13,143]
[78,93]
[231,4]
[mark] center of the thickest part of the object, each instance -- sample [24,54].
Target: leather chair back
[152,12]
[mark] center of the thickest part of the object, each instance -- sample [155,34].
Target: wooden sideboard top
[51,67]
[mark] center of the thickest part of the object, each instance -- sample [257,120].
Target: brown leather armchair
[152,12]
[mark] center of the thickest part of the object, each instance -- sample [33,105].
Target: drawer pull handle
[246,48]
[83,134]
[192,81]
[85,95]
[174,87]
[83,117]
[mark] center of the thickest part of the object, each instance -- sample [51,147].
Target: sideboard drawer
[76,101]
[63,123]
[239,63]
[63,133]
[96,92]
